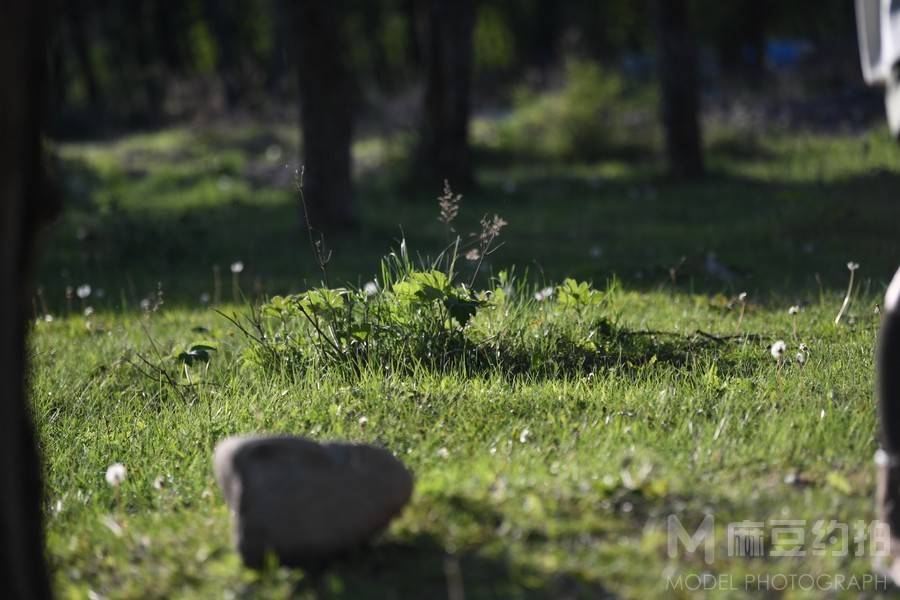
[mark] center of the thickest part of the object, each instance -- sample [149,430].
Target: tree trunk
[327,98]
[448,57]
[680,102]
[223,17]
[22,205]
[78,30]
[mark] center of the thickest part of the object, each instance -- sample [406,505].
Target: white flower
[804,348]
[778,349]
[742,296]
[794,310]
[48,318]
[146,305]
[115,474]
[801,359]
[852,265]
[473,254]
[370,289]
[543,294]
[523,437]
[88,311]
[363,421]
[237,267]
[443,452]
[83,291]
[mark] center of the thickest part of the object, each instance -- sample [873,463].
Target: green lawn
[556,483]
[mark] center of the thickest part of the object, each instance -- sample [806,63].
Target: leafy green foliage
[583,118]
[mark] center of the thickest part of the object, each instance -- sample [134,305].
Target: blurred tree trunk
[277,60]
[448,60]
[22,54]
[222,17]
[76,15]
[327,98]
[679,93]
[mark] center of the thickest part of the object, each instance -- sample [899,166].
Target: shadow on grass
[768,234]
[422,567]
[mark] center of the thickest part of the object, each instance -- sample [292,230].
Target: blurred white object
[878,28]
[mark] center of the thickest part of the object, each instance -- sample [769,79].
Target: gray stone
[307,502]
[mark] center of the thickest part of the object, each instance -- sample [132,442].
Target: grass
[529,485]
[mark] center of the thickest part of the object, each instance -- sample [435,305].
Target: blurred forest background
[178,128]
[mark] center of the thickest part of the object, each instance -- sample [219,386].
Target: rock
[307,502]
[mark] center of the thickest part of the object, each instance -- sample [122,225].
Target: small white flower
[115,474]
[370,289]
[742,296]
[83,291]
[794,310]
[146,305]
[778,349]
[804,348]
[801,359]
[443,452]
[543,294]
[159,483]
[237,267]
[523,437]
[363,421]
[48,318]
[473,254]
[88,311]
[852,265]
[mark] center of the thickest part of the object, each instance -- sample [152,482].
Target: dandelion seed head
[443,452]
[544,294]
[83,291]
[852,266]
[115,474]
[370,289]
[363,421]
[88,311]
[742,296]
[778,349]
[794,310]
[237,267]
[523,437]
